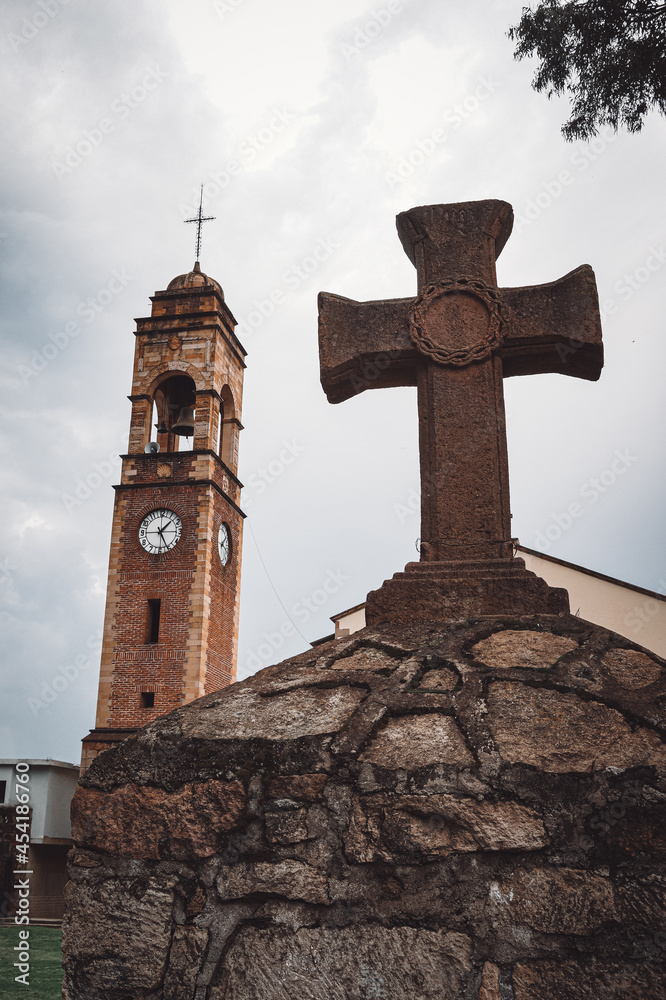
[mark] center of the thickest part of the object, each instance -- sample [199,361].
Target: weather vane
[200,219]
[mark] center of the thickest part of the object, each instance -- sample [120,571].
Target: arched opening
[226,447]
[220,429]
[173,413]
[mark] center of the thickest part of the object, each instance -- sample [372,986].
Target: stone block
[243,713]
[147,822]
[588,981]
[490,985]
[185,955]
[410,741]
[532,650]
[383,827]
[631,668]
[287,826]
[309,787]
[552,901]
[347,963]
[366,658]
[123,952]
[291,879]
[440,680]
[559,732]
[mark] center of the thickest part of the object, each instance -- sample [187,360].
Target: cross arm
[555,327]
[364,345]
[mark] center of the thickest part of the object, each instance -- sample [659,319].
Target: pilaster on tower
[171,621]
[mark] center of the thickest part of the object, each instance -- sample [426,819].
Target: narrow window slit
[153,631]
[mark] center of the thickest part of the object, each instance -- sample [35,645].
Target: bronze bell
[184,425]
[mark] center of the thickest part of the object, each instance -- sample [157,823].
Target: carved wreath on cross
[468,354]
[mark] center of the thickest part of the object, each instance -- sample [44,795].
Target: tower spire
[199,218]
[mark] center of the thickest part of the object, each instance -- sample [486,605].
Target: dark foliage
[609,55]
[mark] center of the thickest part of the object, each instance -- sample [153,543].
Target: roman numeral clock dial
[159,531]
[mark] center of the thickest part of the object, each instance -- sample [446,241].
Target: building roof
[37,762]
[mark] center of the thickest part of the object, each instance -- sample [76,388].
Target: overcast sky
[340,115]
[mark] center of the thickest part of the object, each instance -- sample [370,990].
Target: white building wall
[638,616]
[51,787]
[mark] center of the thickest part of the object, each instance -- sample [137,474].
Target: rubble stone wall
[469,812]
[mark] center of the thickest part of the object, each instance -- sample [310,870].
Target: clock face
[160,530]
[224,544]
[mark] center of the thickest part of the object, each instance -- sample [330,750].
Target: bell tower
[171,621]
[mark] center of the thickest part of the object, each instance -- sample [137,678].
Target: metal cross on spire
[199,218]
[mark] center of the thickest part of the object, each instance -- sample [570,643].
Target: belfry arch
[229,428]
[173,398]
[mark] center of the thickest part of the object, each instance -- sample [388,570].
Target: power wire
[268,577]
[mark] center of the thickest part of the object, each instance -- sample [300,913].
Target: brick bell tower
[171,622]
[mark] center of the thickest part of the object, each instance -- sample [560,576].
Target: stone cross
[456,341]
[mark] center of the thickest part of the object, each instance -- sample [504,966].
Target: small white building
[635,613]
[51,785]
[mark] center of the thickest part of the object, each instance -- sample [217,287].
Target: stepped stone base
[449,591]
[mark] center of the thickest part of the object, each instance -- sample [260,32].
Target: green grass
[45,971]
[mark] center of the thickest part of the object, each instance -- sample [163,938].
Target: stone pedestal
[466,811]
[448,591]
